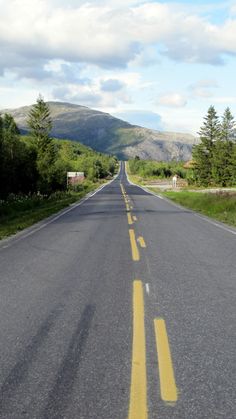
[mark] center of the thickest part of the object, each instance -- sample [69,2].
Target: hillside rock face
[108,134]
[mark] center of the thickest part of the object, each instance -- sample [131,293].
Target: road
[121,307]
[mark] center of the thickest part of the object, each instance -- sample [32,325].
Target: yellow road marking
[127,207]
[130,221]
[141,242]
[138,390]
[134,247]
[169,391]
[122,189]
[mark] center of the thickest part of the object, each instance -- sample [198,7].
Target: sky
[158,64]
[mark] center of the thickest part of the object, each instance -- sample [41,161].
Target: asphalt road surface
[121,307]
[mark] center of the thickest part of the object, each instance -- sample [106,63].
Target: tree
[40,124]
[11,135]
[222,157]
[1,156]
[209,133]
[228,126]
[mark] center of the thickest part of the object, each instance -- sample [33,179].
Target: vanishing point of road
[121,307]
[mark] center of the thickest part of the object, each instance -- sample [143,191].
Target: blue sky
[159,64]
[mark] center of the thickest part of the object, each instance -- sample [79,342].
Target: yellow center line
[141,242]
[122,189]
[134,247]
[130,221]
[169,391]
[138,390]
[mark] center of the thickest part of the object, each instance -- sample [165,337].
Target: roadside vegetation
[213,165]
[220,206]
[143,171]
[214,157]
[33,170]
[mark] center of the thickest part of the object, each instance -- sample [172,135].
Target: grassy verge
[220,206]
[134,178]
[20,212]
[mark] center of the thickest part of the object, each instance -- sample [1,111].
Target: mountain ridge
[106,133]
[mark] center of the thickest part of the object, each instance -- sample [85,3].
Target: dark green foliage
[40,124]
[154,169]
[209,133]
[39,163]
[17,160]
[214,157]
[228,126]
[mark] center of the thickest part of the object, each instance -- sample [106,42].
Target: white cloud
[107,34]
[173,100]
[70,49]
[202,88]
[187,120]
[225,100]
[92,94]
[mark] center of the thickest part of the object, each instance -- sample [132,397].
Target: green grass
[21,212]
[220,206]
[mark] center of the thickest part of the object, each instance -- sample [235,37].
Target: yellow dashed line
[167,379]
[138,390]
[130,221]
[134,247]
[141,241]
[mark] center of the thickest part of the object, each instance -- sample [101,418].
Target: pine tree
[233,166]
[1,157]
[203,153]
[228,128]
[40,124]
[222,158]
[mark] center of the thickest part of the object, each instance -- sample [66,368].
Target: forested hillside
[30,164]
[111,135]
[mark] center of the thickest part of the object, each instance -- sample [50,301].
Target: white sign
[75,174]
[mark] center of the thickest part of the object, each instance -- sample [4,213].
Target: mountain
[108,134]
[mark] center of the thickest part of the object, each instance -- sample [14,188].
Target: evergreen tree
[222,157]
[1,157]
[40,124]
[228,128]
[233,165]
[221,163]
[203,153]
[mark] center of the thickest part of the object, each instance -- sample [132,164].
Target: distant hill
[108,134]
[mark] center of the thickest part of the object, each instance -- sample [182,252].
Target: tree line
[214,158]
[39,163]
[157,169]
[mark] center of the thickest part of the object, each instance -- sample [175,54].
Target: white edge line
[204,218]
[13,239]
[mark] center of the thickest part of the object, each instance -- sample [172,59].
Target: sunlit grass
[220,206]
